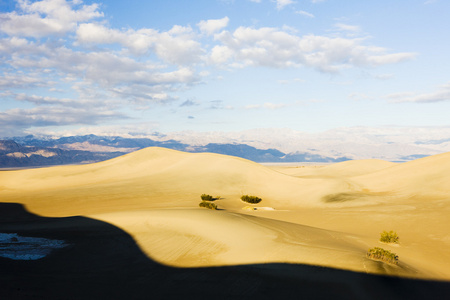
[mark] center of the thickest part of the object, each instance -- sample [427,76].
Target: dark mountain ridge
[30,151]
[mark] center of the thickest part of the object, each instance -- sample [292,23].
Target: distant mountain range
[30,151]
[396,144]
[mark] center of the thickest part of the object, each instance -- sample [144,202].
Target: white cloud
[442,94]
[104,68]
[51,116]
[42,100]
[305,13]
[47,17]
[272,47]
[283,3]
[220,54]
[346,27]
[177,46]
[210,27]
[18,80]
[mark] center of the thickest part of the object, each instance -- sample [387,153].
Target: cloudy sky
[222,65]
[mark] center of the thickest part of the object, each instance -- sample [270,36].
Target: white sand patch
[264,208]
[18,247]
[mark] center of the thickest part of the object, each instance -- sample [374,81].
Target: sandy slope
[426,176]
[343,169]
[328,217]
[194,237]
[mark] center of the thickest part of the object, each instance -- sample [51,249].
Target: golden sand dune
[150,177]
[194,237]
[329,219]
[343,169]
[428,176]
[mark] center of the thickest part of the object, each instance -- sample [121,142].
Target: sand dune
[148,178]
[193,238]
[429,176]
[343,169]
[327,216]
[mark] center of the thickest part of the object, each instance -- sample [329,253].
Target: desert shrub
[383,255]
[209,205]
[389,237]
[206,197]
[251,199]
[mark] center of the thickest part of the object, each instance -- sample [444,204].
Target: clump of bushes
[251,199]
[206,197]
[206,201]
[209,205]
[389,237]
[383,255]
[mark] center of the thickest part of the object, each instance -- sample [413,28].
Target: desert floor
[131,227]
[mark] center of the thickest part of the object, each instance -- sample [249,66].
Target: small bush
[206,197]
[251,199]
[389,237]
[383,255]
[209,205]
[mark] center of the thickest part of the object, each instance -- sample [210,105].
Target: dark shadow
[104,262]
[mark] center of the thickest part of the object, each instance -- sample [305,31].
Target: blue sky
[78,67]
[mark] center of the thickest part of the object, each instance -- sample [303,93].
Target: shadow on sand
[101,261]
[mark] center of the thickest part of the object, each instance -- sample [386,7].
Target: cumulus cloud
[105,69]
[42,100]
[177,46]
[47,17]
[17,80]
[210,27]
[272,47]
[441,94]
[44,116]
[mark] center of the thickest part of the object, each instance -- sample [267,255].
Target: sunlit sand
[327,215]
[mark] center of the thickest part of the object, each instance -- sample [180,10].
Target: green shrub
[389,237]
[383,255]
[209,205]
[251,199]
[206,197]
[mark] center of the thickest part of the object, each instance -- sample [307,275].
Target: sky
[119,67]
